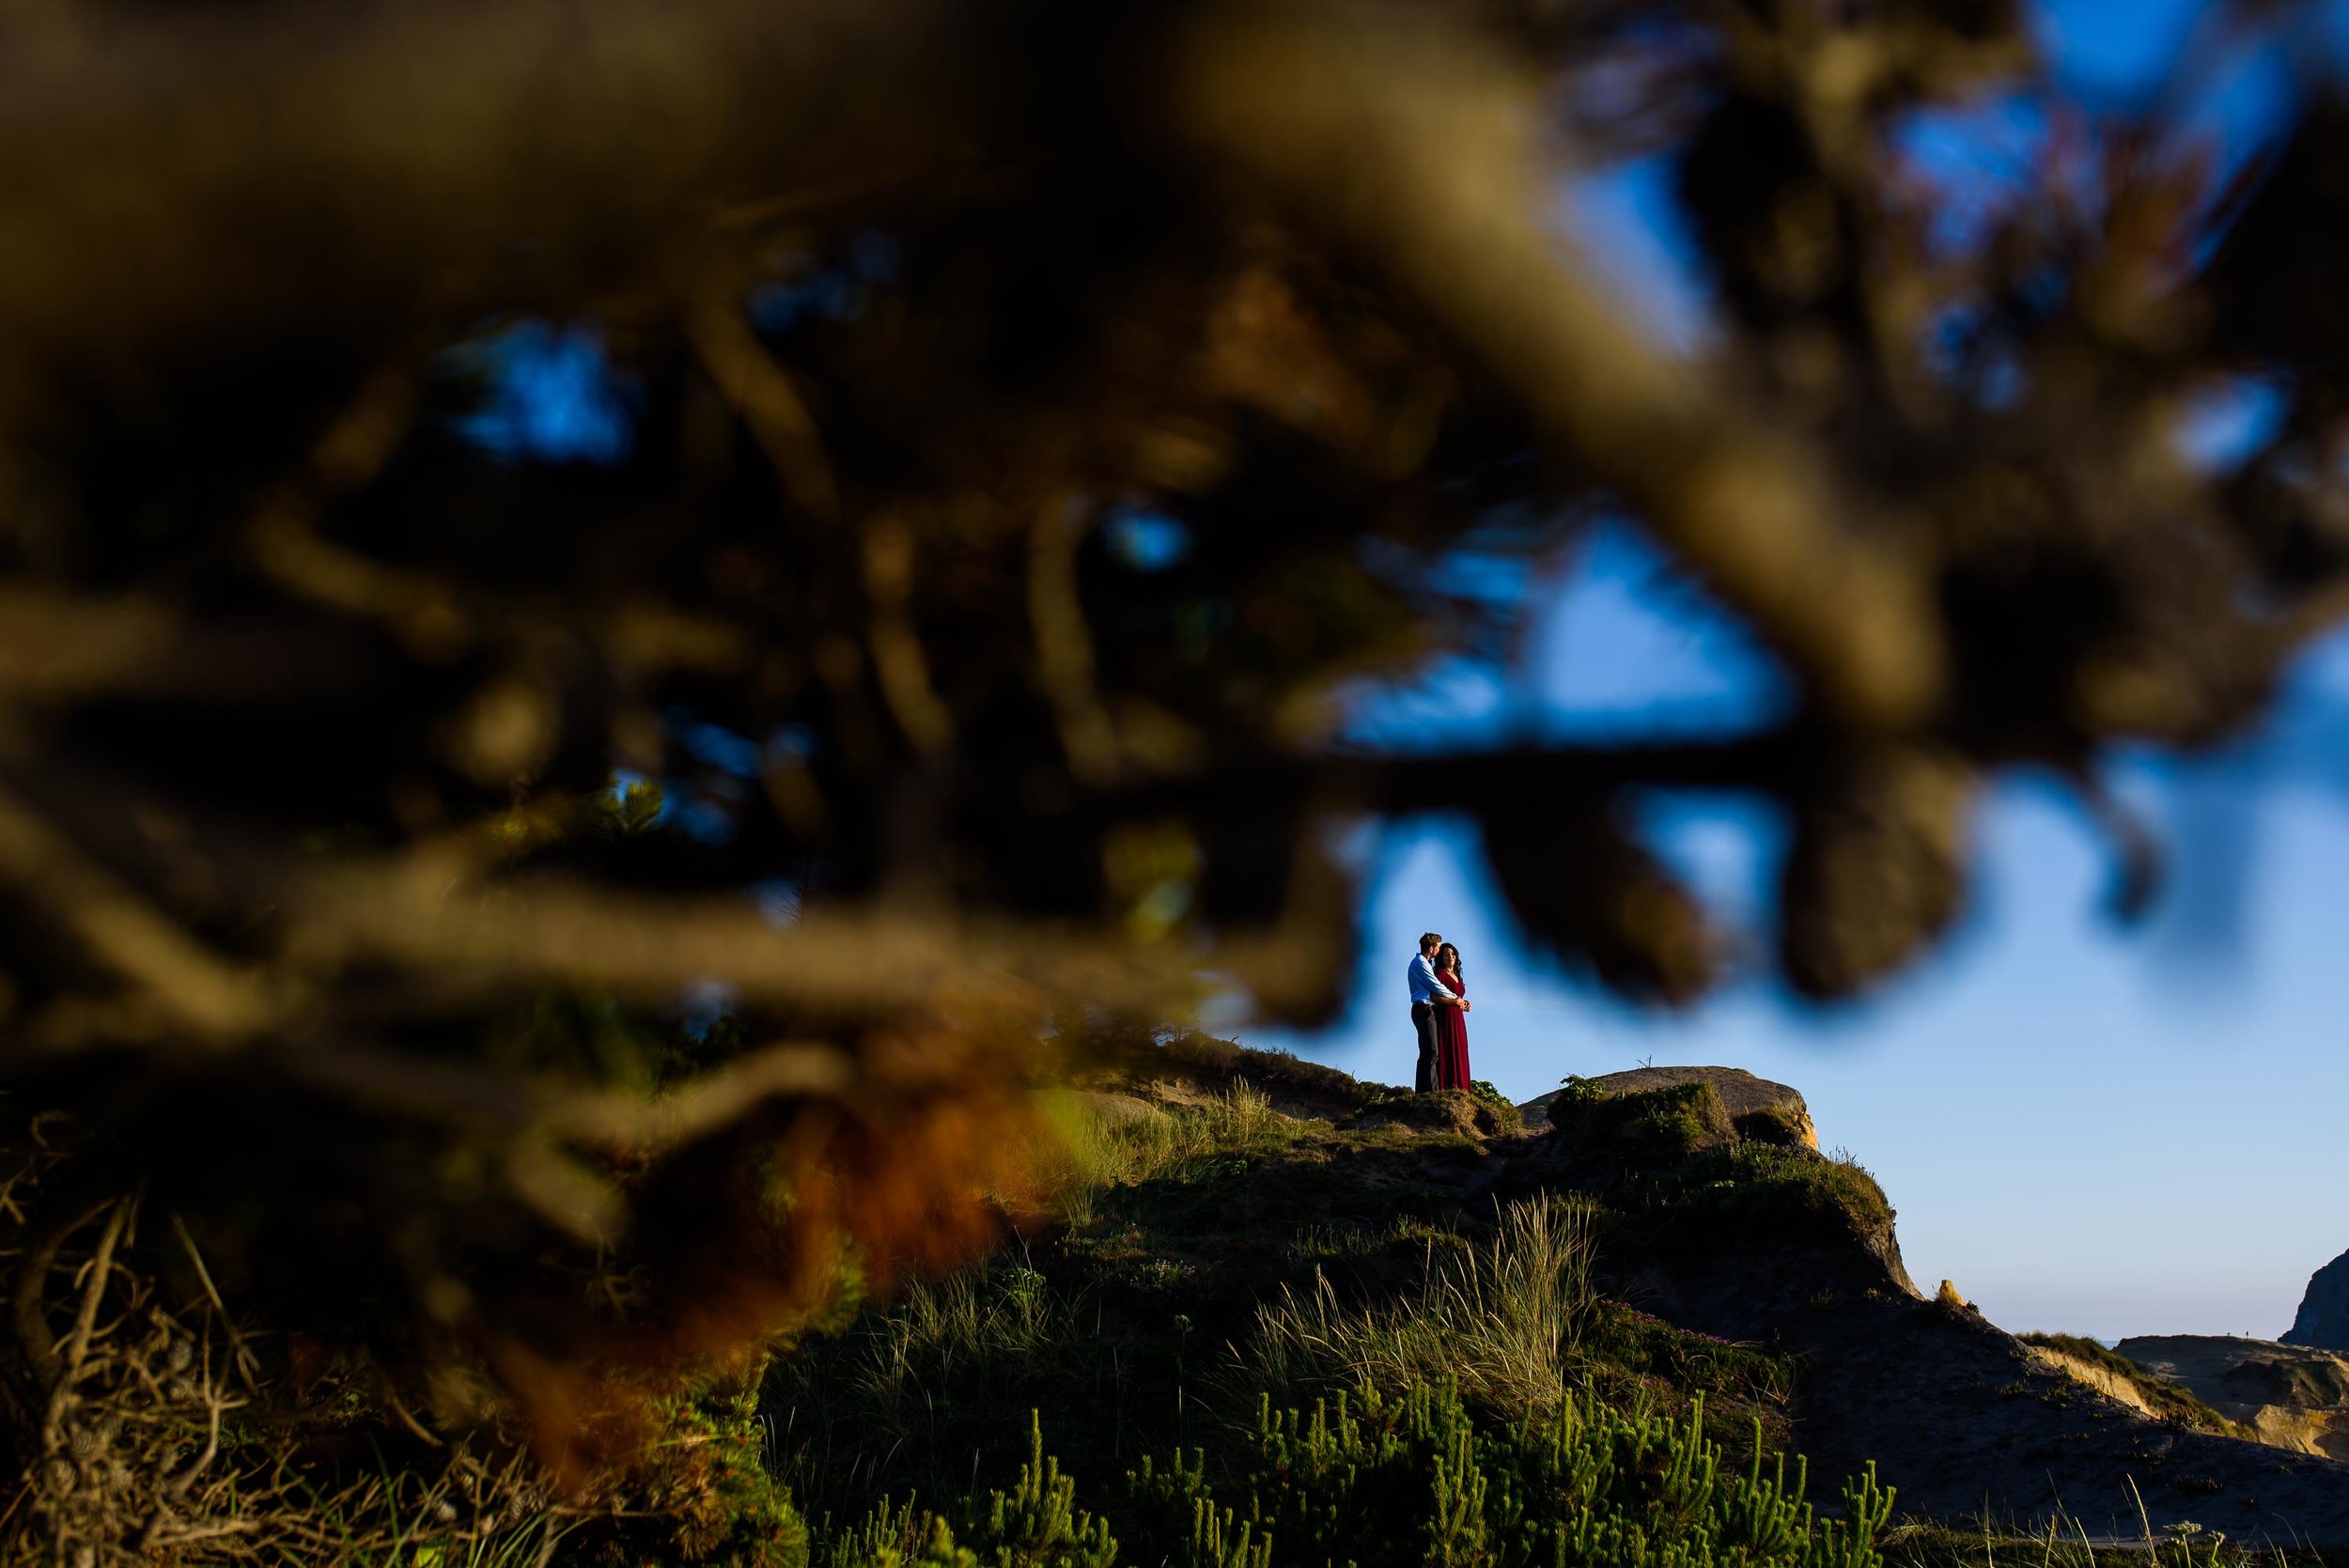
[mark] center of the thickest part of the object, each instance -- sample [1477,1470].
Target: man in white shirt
[1427,994]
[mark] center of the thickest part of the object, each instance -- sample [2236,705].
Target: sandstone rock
[2291,1396]
[1742,1095]
[2323,1321]
[2106,1381]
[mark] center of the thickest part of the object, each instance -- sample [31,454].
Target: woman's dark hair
[1457,968]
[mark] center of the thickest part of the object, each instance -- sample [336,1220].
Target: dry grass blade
[1500,1319]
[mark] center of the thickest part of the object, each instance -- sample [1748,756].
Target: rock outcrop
[2323,1321]
[2291,1396]
[1742,1095]
[1746,1235]
[1797,1251]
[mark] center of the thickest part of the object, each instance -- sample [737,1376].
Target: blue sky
[2088,1129]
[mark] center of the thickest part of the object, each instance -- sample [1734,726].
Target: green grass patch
[1657,1126]
[1106,1142]
[1750,1181]
[1676,1175]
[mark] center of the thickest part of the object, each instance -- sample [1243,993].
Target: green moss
[1773,1123]
[1679,1173]
[1794,1182]
[1656,1126]
[1108,1051]
[1461,1114]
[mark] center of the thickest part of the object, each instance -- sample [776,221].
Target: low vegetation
[2065,1541]
[1402,1482]
[1501,1319]
[1259,1339]
[1215,1254]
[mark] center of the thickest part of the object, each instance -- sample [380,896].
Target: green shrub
[894,1537]
[1411,1481]
[1507,1118]
[1038,1524]
[706,1493]
[1034,1525]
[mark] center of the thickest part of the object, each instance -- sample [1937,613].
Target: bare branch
[1417,148]
[762,392]
[124,932]
[1064,646]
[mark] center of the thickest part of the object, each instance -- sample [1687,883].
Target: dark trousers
[1423,1019]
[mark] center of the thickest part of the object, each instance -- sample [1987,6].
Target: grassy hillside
[1328,1329]
[1256,1315]
[1234,1315]
[1222,1254]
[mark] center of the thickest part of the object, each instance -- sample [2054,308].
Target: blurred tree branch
[1021,435]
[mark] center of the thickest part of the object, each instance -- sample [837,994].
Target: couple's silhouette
[1440,1010]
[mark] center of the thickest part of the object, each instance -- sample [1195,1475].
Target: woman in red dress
[1452,1062]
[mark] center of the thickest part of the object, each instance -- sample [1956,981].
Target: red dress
[1452,1064]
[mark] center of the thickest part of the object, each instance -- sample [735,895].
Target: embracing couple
[1440,1008]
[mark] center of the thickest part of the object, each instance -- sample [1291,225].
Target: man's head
[1431,942]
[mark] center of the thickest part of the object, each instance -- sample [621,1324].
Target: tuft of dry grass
[163,1438]
[936,1329]
[1102,1142]
[1503,1320]
[2062,1541]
